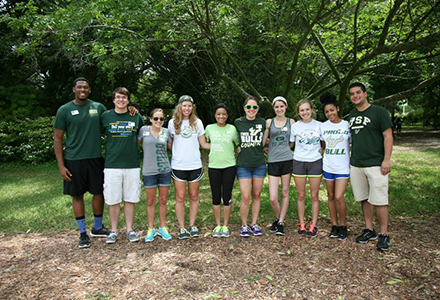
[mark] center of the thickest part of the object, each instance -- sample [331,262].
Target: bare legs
[193,195]
[336,202]
[280,211]
[151,205]
[114,211]
[248,186]
[381,213]
[314,183]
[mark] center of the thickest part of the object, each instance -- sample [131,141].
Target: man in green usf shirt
[81,165]
[122,163]
[372,144]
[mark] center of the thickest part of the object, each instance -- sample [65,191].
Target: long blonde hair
[178,117]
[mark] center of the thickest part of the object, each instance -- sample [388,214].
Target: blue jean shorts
[161,179]
[257,172]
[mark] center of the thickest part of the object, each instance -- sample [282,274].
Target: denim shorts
[257,172]
[161,179]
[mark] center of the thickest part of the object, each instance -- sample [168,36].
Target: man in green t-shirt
[372,144]
[81,164]
[122,170]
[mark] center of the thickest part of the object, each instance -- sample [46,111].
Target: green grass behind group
[31,198]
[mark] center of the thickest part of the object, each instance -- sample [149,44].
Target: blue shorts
[257,172]
[332,177]
[161,179]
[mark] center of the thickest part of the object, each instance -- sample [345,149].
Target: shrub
[27,140]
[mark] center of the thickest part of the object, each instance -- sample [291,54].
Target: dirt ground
[50,266]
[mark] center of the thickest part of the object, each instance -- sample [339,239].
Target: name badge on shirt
[93,111]
[146,133]
[74,112]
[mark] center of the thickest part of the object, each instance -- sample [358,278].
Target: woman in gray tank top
[279,158]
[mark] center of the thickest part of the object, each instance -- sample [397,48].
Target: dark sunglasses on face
[251,106]
[158,119]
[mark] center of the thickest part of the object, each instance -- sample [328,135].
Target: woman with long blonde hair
[188,134]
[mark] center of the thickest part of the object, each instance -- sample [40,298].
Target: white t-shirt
[307,140]
[337,147]
[186,153]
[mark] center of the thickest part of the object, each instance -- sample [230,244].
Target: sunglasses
[251,106]
[158,119]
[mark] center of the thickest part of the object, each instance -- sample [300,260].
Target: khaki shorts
[369,184]
[122,184]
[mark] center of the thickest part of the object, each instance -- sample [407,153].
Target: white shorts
[122,184]
[369,184]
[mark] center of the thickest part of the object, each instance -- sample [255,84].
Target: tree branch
[407,93]
[327,58]
[388,22]
[138,35]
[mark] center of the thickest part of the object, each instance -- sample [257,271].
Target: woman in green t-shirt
[251,164]
[223,138]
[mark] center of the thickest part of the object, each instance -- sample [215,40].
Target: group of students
[320,149]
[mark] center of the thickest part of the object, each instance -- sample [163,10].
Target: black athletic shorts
[280,168]
[87,176]
[187,175]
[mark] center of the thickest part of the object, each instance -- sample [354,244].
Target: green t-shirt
[82,126]
[121,148]
[367,129]
[251,142]
[223,141]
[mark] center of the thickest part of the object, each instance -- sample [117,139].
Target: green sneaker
[217,232]
[151,233]
[225,231]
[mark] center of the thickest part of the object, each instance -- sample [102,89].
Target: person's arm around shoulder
[385,167]
[58,135]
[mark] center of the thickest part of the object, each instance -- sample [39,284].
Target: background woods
[220,51]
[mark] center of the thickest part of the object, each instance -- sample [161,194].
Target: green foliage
[27,140]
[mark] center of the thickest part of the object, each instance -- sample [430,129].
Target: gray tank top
[279,149]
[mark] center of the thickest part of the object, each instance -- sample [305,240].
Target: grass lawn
[31,198]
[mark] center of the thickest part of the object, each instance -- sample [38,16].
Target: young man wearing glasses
[122,163]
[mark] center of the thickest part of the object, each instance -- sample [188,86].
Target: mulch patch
[50,266]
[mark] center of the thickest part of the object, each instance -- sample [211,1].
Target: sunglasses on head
[248,106]
[158,119]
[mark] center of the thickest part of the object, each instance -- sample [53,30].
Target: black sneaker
[84,241]
[367,235]
[334,233]
[273,227]
[384,242]
[342,234]
[103,232]
[280,228]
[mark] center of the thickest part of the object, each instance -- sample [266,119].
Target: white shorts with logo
[369,184]
[122,184]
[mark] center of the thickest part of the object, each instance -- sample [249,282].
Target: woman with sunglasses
[156,171]
[307,163]
[223,138]
[279,161]
[251,164]
[188,134]
[336,164]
